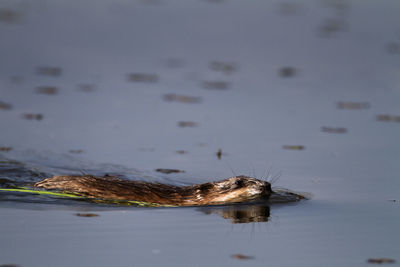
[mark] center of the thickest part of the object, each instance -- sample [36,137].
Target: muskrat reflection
[254,212]
[281,196]
[249,213]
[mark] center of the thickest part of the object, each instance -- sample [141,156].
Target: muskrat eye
[239,183]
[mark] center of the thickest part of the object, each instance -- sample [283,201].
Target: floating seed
[332,26]
[225,67]
[339,130]
[393,48]
[187,124]
[47,90]
[5,106]
[353,105]
[289,9]
[9,16]
[49,71]
[242,257]
[216,85]
[388,118]
[142,77]
[287,72]
[293,147]
[168,171]
[31,116]
[182,98]
[88,88]
[219,153]
[86,214]
[381,260]
[174,63]
[76,151]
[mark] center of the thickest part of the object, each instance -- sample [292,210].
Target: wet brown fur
[232,190]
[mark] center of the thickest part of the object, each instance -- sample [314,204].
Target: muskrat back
[231,190]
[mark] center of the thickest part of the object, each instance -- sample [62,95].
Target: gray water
[97,86]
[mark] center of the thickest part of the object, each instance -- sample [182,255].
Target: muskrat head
[241,189]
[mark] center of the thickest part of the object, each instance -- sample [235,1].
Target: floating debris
[150,2]
[182,98]
[31,116]
[47,90]
[241,257]
[338,5]
[87,215]
[332,26]
[216,85]
[15,79]
[9,15]
[339,130]
[9,265]
[147,149]
[353,105]
[225,67]
[393,48]
[219,153]
[181,151]
[215,1]
[168,171]
[49,71]
[142,77]
[4,181]
[381,260]
[293,147]
[187,124]
[87,88]
[5,148]
[5,106]
[174,63]
[388,118]
[289,8]
[76,151]
[287,72]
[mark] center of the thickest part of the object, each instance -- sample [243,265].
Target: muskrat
[231,190]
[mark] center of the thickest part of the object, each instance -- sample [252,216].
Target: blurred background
[212,87]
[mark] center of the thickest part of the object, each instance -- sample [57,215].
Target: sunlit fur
[232,190]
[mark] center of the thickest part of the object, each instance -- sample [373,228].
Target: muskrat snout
[266,189]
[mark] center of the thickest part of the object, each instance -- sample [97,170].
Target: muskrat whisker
[253,169]
[267,173]
[270,176]
[276,177]
[279,188]
[83,172]
[230,167]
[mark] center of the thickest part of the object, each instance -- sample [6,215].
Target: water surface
[307,88]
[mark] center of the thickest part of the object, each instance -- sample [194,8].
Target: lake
[307,91]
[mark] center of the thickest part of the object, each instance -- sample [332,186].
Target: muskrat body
[231,190]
